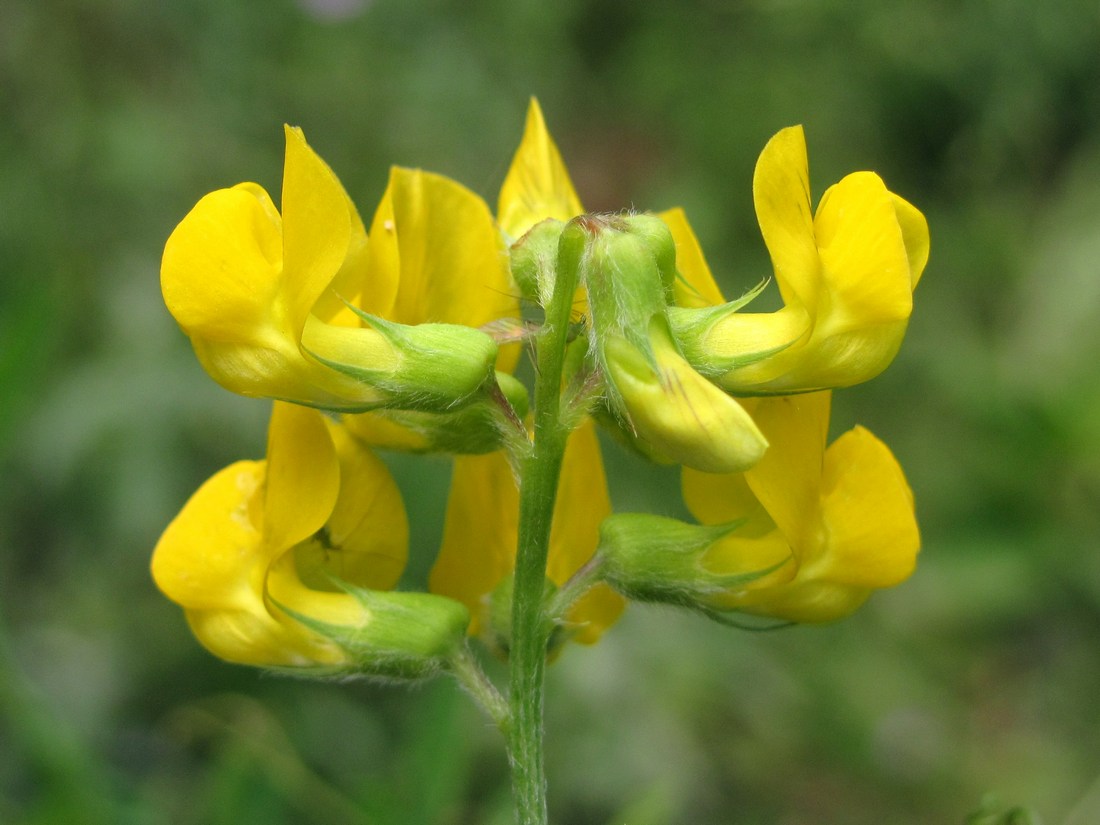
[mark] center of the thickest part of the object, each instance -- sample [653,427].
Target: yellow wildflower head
[241,279]
[846,274]
[804,536]
[276,562]
[299,306]
[835,523]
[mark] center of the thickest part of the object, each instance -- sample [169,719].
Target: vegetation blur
[968,694]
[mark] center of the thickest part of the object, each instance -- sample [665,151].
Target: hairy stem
[538,489]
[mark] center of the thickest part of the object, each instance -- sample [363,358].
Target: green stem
[538,489]
[466,670]
[579,583]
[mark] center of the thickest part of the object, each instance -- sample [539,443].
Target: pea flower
[481,531]
[283,562]
[265,299]
[806,535]
[846,275]
[438,242]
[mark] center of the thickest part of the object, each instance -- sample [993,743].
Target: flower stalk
[538,488]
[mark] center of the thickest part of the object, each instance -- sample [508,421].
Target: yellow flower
[846,275]
[438,242]
[482,529]
[836,523]
[269,554]
[262,297]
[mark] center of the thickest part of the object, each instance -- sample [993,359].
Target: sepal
[533,260]
[397,636]
[651,558]
[491,421]
[427,367]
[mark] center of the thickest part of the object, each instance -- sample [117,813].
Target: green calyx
[651,558]
[427,367]
[403,636]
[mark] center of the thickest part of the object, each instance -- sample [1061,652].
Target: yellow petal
[257,638]
[450,264]
[675,412]
[717,498]
[351,284]
[744,333]
[317,228]
[480,532]
[303,475]
[582,503]
[781,194]
[368,528]
[863,254]
[222,265]
[787,480]
[379,431]
[750,549]
[803,601]
[914,230]
[695,287]
[537,185]
[873,539]
[205,558]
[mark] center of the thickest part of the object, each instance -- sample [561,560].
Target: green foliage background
[979,676]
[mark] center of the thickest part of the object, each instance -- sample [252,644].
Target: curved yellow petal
[717,498]
[302,478]
[802,600]
[378,431]
[871,528]
[787,480]
[696,286]
[450,264]
[317,228]
[750,549]
[783,331]
[256,637]
[537,185]
[205,557]
[678,415]
[222,266]
[480,532]
[781,194]
[914,231]
[863,255]
[368,531]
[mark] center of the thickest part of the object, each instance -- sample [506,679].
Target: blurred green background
[977,683]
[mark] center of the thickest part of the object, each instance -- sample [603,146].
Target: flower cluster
[407,337]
